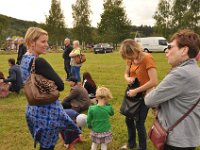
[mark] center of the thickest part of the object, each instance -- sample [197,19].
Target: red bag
[158,135]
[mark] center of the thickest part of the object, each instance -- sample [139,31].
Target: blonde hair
[103,92]
[128,47]
[33,34]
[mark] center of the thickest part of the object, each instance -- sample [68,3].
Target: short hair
[187,38]
[76,41]
[128,46]
[11,61]
[103,92]
[33,34]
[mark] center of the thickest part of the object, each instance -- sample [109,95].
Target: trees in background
[173,15]
[82,30]
[55,24]
[114,25]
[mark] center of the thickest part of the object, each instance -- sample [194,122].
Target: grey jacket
[175,95]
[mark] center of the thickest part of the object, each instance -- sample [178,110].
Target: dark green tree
[163,17]
[82,25]
[55,24]
[114,25]
[186,14]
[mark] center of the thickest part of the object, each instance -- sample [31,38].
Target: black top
[15,78]
[67,51]
[21,52]
[90,88]
[44,68]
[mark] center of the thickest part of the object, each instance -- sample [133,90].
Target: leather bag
[79,59]
[158,135]
[131,105]
[40,90]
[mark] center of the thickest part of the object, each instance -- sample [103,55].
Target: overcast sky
[138,11]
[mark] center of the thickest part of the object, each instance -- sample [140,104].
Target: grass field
[106,69]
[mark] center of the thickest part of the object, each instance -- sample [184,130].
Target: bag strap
[183,117]
[33,66]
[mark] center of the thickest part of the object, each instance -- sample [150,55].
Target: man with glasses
[179,91]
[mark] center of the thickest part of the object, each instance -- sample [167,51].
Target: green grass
[106,69]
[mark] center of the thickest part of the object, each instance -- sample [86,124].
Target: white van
[153,44]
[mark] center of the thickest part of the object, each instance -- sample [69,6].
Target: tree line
[114,26]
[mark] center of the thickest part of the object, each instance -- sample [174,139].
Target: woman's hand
[130,80]
[132,93]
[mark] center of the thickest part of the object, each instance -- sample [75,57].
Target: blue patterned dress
[47,121]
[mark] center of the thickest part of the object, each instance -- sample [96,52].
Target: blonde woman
[142,66]
[45,121]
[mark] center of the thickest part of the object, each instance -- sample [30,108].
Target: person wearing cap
[78,98]
[179,91]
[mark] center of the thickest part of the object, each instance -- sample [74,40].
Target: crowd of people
[170,99]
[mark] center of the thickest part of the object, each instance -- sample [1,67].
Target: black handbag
[131,105]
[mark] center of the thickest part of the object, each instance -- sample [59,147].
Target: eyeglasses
[170,46]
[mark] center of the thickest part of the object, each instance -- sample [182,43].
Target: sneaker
[126,147]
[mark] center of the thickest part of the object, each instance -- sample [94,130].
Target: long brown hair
[88,77]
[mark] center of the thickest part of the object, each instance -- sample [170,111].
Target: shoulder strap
[183,117]
[33,66]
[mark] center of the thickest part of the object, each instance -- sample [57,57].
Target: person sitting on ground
[70,137]
[78,98]
[89,84]
[14,76]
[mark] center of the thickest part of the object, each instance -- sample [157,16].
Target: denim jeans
[75,72]
[168,147]
[139,124]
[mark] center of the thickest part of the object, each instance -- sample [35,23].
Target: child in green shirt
[98,119]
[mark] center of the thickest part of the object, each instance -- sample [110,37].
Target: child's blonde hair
[103,92]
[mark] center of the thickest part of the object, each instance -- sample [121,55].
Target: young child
[98,119]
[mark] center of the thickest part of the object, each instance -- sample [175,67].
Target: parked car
[153,44]
[103,48]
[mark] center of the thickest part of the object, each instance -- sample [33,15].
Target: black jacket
[15,78]
[67,51]
[21,51]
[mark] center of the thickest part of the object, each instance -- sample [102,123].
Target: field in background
[106,69]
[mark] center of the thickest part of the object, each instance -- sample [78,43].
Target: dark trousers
[168,147]
[67,68]
[139,124]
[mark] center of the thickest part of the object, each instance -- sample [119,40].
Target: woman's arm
[126,75]
[44,68]
[152,73]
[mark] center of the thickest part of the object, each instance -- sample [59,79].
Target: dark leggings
[168,147]
[51,148]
